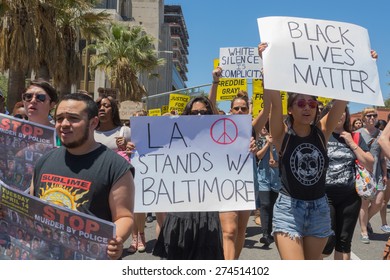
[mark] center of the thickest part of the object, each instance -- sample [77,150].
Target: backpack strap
[285,142]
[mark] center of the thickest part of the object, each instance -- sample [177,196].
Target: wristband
[215,82]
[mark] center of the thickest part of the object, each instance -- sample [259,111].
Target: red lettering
[48,212]
[76,223]
[62,215]
[5,124]
[38,131]
[27,129]
[91,226]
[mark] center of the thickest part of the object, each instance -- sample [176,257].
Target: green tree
[127,52]
[42,36]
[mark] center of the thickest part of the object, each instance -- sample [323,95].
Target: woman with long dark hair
[344,202]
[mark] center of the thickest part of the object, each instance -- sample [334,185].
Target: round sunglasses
[38,96]
[301,103]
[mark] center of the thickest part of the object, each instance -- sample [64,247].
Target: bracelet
[215,82]
[355,148]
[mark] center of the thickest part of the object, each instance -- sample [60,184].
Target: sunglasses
[199,112]
[301,103]
[19,116]
[29,96]
[369,116]
[238,108]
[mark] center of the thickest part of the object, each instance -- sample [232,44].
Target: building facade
[167,25]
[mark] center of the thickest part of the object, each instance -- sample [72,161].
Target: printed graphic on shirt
[307,164]
[64,191]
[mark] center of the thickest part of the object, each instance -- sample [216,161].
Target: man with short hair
[101,181]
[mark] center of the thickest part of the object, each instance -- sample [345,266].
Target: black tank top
[303,162]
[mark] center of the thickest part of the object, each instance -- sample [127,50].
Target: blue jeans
[300,218]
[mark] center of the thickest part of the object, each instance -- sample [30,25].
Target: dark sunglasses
[199,112]
[238,108]
[301,103]
[369,116]
[19,116]
[29,96]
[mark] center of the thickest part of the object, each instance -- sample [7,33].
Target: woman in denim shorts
[301,223]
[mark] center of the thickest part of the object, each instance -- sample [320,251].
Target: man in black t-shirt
[85,175]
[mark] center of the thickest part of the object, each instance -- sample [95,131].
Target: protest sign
[154,112]
[22,143]
[318,57]
[164,109]
[240,63]
[193,163]
[35,229]
[177,102]
[257,98]
[228,88]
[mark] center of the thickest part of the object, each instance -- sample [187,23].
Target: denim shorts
[268,179]
[300,218]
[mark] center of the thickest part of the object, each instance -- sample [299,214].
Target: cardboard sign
[177,102]
[240,63]
[193,163]
[318,57]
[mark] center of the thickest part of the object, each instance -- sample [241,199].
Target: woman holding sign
[191,235]
[234,223]
[301,224]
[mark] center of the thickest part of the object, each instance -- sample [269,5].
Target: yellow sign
[324,100]
[228,88]
[177,102]
[154,112]
[257,98]
[164,109]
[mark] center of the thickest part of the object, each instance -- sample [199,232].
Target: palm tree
[123,55]
[17,44]
[58,48]
[42,36]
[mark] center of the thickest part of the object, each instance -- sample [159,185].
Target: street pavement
[253,249]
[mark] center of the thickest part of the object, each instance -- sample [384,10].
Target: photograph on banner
[257,98]
[193,163]
[240,63]
[228,88]
[34,229]
[177,102]
[318,57]
[154,112]
[22,143]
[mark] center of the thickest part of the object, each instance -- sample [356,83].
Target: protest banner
[228,88]
[154,112]
[177,102]
[193,163]
[35,229]
[240,63]
[22,143]
[318,57]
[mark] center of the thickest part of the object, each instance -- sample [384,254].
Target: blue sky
[230,23]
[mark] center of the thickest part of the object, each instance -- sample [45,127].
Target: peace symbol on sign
[224,131]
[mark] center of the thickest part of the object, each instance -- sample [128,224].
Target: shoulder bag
[365,184]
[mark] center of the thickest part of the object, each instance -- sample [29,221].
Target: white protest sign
[193,163]
[318,57]
[240,63]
